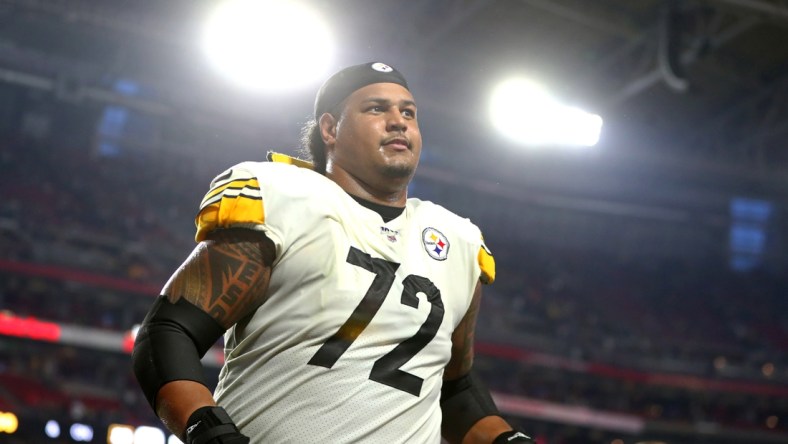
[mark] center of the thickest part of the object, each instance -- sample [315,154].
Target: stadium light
[52,429]
[120,434]
[148,435]
[81,432]
[528,114]
[268,46]
[8,422]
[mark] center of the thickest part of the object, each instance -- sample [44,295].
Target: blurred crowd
[82,236]
[71,207]
[673,316]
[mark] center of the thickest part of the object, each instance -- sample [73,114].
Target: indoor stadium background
[641,292]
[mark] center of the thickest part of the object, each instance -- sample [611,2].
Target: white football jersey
[351,343]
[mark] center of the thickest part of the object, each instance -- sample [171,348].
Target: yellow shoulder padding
[228,212]
[487,264]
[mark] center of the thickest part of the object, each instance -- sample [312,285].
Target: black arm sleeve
[170,343]
[464,401]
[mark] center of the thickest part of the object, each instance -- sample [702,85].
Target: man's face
[377,137]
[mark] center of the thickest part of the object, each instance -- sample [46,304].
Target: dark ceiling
[719,98]
[693,92]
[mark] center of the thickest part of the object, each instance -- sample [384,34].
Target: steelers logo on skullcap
[342,84]
[382,67]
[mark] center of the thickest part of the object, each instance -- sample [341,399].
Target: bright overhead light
[271,45]
[525,112]
[148,435]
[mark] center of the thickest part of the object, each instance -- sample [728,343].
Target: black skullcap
[346,81]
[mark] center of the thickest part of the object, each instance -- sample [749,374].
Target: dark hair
[312,145]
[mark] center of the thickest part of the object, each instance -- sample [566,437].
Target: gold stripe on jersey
[487,264]
[290,160]
[236,186]
[234,203]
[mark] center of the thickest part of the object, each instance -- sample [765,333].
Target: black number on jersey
[386,369]
[332,349]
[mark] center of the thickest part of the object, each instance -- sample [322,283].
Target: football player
[347,308]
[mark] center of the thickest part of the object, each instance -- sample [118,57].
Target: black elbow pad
[170,343]
[464,402]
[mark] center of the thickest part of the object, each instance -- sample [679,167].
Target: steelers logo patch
[382,67]
[435,243]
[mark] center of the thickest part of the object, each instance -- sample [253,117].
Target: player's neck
[386,212]
[395,196]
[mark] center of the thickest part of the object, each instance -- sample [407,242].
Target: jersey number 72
[386,369]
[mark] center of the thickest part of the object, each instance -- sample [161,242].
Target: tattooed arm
[226,276]
[462,340]
[488,428]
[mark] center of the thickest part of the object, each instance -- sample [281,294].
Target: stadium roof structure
[692,92]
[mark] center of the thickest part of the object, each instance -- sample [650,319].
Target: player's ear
[328,128]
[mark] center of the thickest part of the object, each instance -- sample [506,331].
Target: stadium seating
[89,241]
